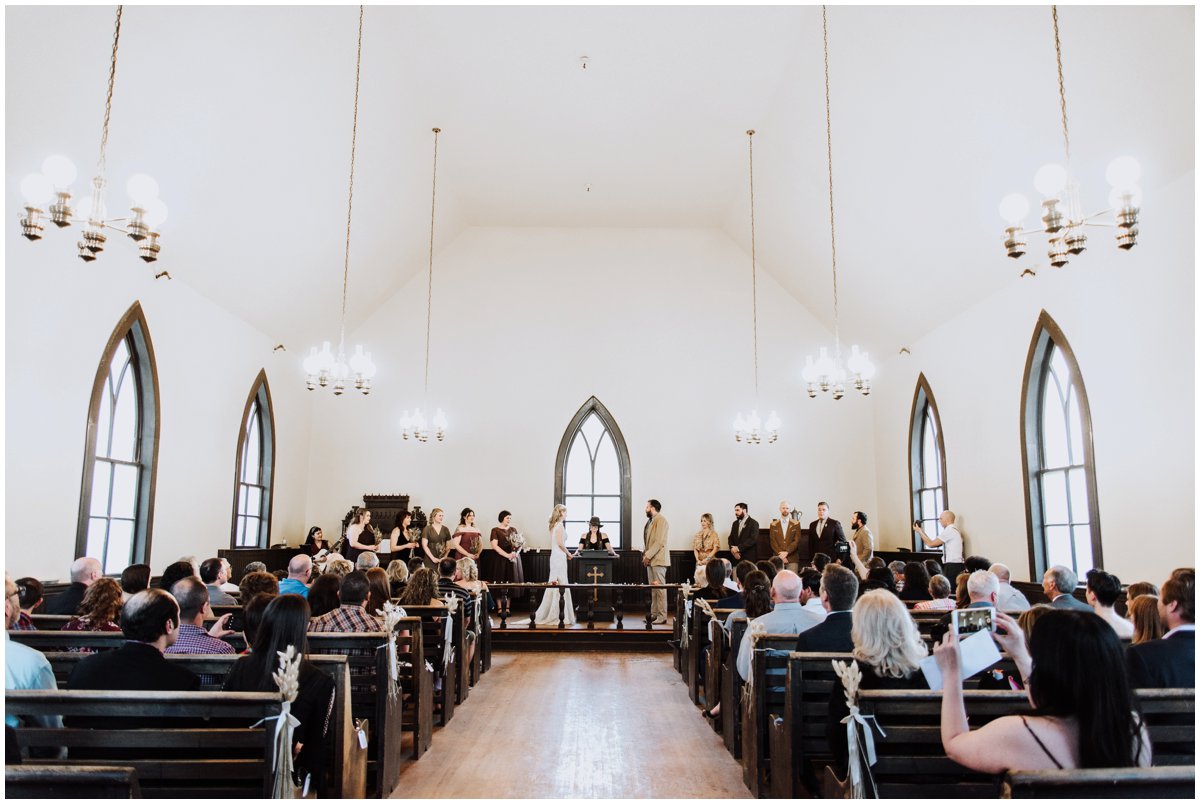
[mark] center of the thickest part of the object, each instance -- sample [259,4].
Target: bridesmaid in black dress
[503,561]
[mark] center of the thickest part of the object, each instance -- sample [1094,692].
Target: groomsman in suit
[864,542]
[656,558]
[743,534]
[785,538]
[827,531]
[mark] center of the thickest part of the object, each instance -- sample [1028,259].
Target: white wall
[529,323]
[1130,320]
[60,314]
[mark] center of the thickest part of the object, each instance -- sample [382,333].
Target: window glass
[591,475]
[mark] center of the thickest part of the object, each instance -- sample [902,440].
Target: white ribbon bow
[448,651]
[287,678]
[391,614]
[851,677]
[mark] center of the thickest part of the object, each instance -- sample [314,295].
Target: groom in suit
[826,531]
[785,538]
[656,559]
[743,534]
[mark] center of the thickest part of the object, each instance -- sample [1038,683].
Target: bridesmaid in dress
[470,540]
[404,544]
[503,562]
[435,539]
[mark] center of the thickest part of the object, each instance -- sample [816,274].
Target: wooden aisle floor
[576,725]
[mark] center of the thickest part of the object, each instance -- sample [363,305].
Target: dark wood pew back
[798,733]
[68,782]
[762,699]
[214,762]
[731,688]
[1123,783]
[90,640]
[716,647]
[434,640]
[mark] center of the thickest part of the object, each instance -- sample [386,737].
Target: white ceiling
[243,116]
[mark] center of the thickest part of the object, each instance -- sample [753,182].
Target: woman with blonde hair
[1147,624]
[888,650]
[547,613]
[705,543]
[436,539]
[397,572]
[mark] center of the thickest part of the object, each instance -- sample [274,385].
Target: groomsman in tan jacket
[656,558]
[785,537]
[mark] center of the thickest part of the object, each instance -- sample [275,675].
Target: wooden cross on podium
[595,575]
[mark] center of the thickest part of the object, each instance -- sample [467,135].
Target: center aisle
[576,725]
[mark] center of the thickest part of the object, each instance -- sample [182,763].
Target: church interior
[548,227]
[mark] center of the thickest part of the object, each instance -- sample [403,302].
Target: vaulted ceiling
[243,116]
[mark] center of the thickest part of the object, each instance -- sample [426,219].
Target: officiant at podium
[595,539]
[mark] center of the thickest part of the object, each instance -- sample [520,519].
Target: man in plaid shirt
[350,617]
[192,596]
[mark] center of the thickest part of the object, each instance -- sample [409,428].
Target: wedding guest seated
[1170,661]
[880,578]
[100,609]
[837,593]
[366,561]
[916,582]
[810,591]
[888,650]
[25,668]
[422,589]
[30,591]
[85,571]
[714,579]
[766,567]
[787,616]
[134,579]
[758,603]
[214,575]
[397,572]
[254,566]
[1147,624]
[351,615]
[192,596]
[228,587]
[338,567]
[820,560]
[1103,589]
[379,591]
[298,573]
[962,598]
[1132,591]
[447,568]
[280,575]
[897,570]
[1009,599]
[323,594]
[467,576]
[258,583]
[777,563]
[1058,583]
[415,564]
[150,622]
[285,622]
[982,589]
[933,568]
[974,563]
[1073,725]
[999,677]
[176,572]
[939,594]
[737,600]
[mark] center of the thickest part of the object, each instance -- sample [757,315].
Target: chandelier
[829,373]
[750,429]
[415,425]
[323,367]
[1063,220]
[53,186]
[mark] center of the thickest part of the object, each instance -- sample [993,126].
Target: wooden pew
[679,650]
[711,667]
[92,640]
[433,642]
[1123,783]
[71,781]
[797,733]
[346,772]
[212,767]
[912,763]
[731,689]
[761,699]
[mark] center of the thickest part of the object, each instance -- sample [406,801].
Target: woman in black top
[316,541]
[284,623]
[714,576]
[916,582]
[594,539]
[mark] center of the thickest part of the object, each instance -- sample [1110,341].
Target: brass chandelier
[53,186]
[322,368]
[1063,220]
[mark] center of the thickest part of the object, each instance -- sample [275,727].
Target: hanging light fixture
[321,368]
[53,186]
[1063,220]
[414,425]
[828,373]
[750,429]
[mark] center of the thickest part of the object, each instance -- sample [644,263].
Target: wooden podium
[593,567]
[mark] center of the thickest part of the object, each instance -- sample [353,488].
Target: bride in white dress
[547,613]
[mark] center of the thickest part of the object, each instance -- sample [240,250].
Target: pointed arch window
[1062,512]
[591,474]
[254,469]
[926,463]
[116,501]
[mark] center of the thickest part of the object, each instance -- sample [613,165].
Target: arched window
[591,474]
[1062,513]
[116,501]
[926,462]
[255,468]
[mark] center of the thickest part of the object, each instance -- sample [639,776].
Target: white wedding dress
[547,613]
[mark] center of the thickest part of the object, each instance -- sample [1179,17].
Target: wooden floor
[576,725]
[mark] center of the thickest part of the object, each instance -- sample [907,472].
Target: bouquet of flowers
[516,540]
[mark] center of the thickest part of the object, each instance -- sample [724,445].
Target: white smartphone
[971,621]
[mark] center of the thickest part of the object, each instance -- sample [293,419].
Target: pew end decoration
[287,678]
[858,744]
[391,614]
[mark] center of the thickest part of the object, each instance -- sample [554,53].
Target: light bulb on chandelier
[828,374]
[1063,220]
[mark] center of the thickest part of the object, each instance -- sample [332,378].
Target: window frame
[593,405]
[924,405]
[1048,336]
[133,329]
[260,392]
